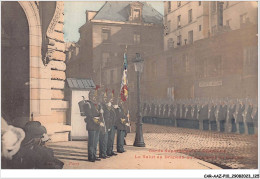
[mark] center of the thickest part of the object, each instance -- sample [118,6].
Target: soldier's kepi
[93,120]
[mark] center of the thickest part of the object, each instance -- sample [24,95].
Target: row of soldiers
[228,110]
[103,119]
[24,148]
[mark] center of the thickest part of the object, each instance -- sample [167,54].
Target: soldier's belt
[123,121]
[96,119]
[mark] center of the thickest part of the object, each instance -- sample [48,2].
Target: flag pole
[122,76]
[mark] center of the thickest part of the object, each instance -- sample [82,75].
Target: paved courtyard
[223,149]
[169,148]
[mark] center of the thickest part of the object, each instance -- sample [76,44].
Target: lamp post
[139,139]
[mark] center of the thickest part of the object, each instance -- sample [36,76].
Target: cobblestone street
[222,149]
[179,148]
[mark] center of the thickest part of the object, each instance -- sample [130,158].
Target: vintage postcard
[130,85]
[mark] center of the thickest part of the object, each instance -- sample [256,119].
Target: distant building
[219,58]
[105,36]
[188,21]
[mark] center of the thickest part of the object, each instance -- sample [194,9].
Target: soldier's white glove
[116,106]
[101,111]
[102,124]
[127,124]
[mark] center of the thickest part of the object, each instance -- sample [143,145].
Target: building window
[105,59]
[186,62]
[213,6]
[199,3]
[228,22]
[105,35]
[215,66]
[169,66]
[169,6]
[243,19]
[201,68]
[227,4]
[200,27]
[179,40]
[190,37]
[170,93]
[214,29]
[136,14]
[179,21]
[111,76]
[250,60]
[154,70]
[178,3]
[170,43]
[190,16]
[169,26]
[137,38]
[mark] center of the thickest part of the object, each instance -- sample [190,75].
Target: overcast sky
[75,16]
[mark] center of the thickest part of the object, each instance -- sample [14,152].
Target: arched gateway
[27,83]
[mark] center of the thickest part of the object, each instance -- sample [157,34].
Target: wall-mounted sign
[210,83]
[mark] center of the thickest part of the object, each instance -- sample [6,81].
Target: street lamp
[139,139]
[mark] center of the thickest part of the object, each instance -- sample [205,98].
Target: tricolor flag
[124,89]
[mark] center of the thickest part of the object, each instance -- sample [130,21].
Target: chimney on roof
[90,15]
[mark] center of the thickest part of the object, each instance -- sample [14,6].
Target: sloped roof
[75,83]
[119,11]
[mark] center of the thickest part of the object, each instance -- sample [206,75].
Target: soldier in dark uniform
[240,111]
[195,112]
[203,117]
[148,110]
[144,109]
[188,113]
[178,113]
[183,111]
[94,123]
[212,117]
[121,123]
[103,135]
[248,117]
[222,113]
[231,117]
[166,111]
[110,113]
[255,118]
[171,115]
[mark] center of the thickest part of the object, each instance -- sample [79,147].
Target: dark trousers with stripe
[93,137]
[103,144]
[120,140]
[111,138]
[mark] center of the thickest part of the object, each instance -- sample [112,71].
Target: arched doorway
[15,64]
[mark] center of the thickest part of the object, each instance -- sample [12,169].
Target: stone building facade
[188,21]
[33,65]
[117,27]
[220,62]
